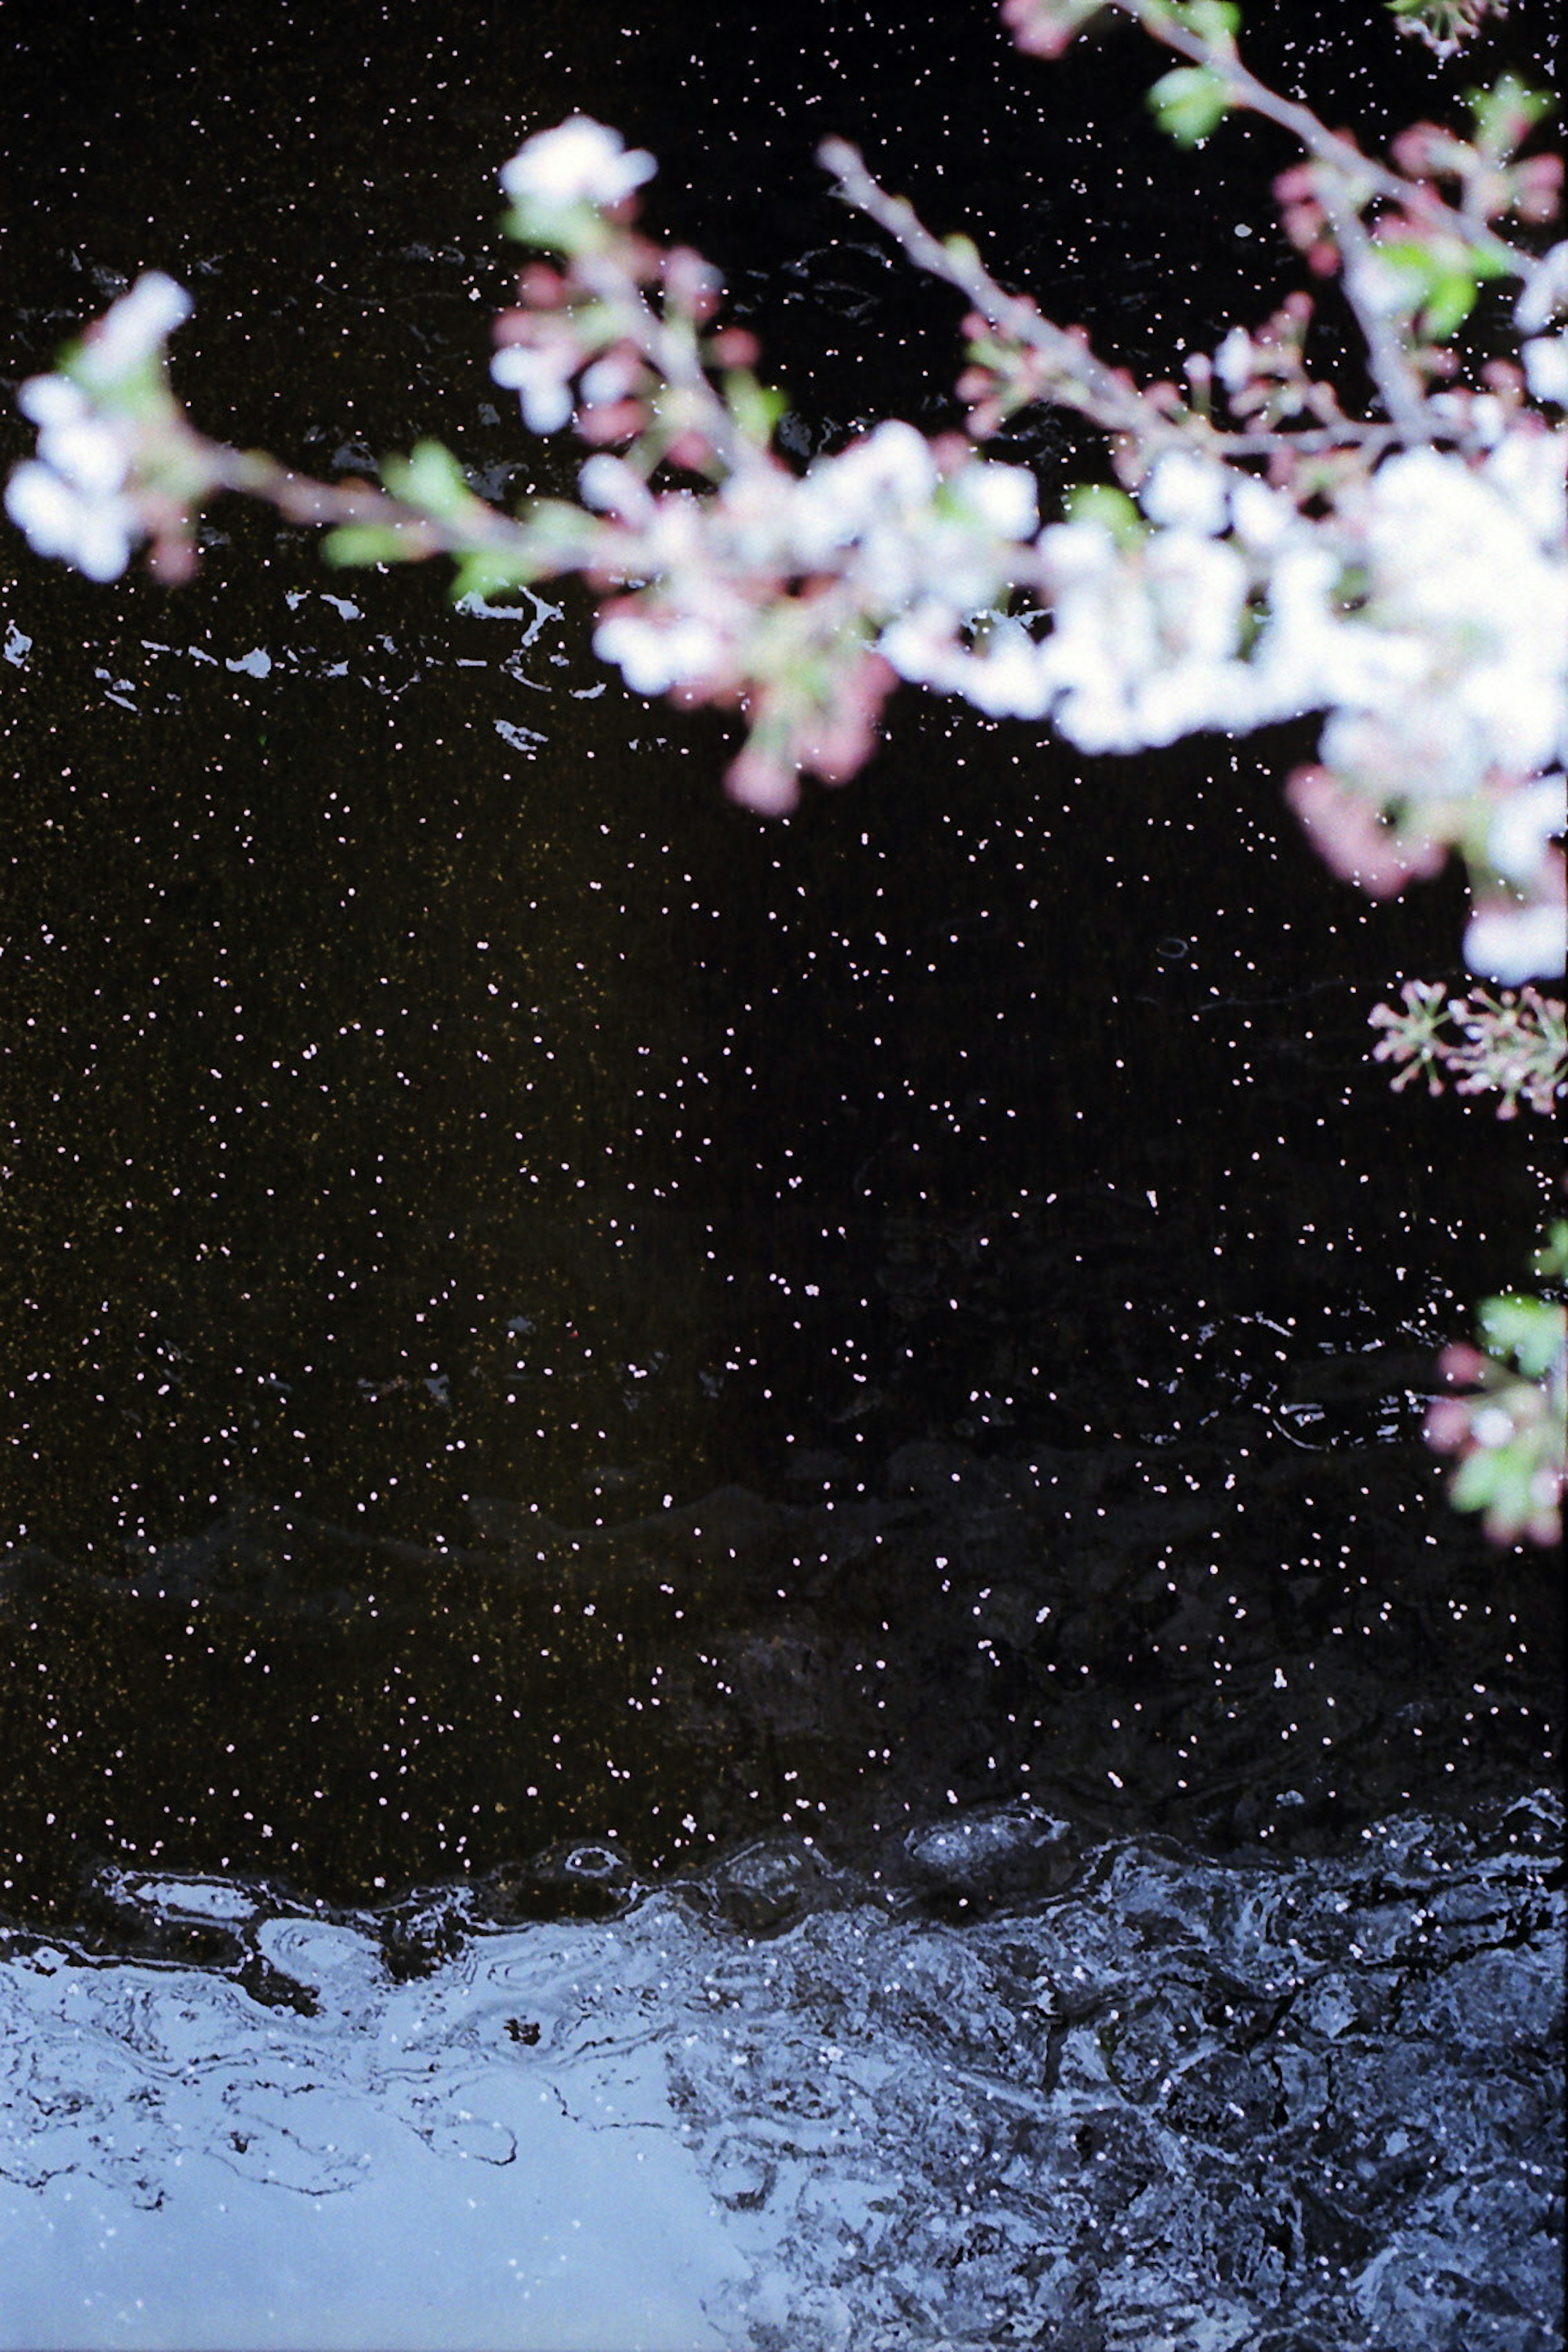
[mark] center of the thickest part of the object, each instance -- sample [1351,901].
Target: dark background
[412,1131]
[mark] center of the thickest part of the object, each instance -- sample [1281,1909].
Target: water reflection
[782,2103]
[555,1343]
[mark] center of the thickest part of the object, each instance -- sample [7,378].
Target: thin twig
[482,528]
[1332,147]
[1085,382]
[672,350]
[1397,380]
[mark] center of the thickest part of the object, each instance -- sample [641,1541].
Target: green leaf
[1529,1330]
[368,542]
[1442,285]
[485,574]
[1189,101]
[1500,1481]
[1112,508]
[1506,113]
[1482,1476]
[755,407]
[557,227]
[430,479]
[1218,21]
[1550,1261]
[1450,300]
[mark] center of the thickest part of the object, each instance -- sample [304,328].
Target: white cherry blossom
[1187,489]
[541,379]
[74,437]
[1515,944]
[1524,824]
[71,500]
[655,654]
[93,531]
[1546,291]
[1545,361]
[1144,638]
[611,487]
[1005,676]
[578,162]
[135,329]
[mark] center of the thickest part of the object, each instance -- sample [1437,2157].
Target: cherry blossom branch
[1081,381]
[1398,381]
[1406,578]
[1106,396]
[1506,1417]
[1335,188]
[302,498]
[1216,52]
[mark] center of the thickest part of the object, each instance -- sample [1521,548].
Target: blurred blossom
[885,509]
[1008,678]
[71,500]
[135,329]
[1456,558]
[1187,489]
[878,485]
[95,530]
[1346,826]
[1546,291]
[1005,676]
[763,782]
[1310,654]
[578,162]
[654,653]
[78,500]
[1446,686]
[1524,822]
[1545,361]
[1233,360]
[612,486]
[1003,498]
[610,378]
[73,436]
[542,380]
[1513,943]
[1144,644]
[1531,470]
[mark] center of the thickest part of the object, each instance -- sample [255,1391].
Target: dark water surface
[810,1407]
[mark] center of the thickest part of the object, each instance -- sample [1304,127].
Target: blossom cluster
[781,592]
[1444,25]
[1260,554]
[1513,1045]
[1267,557]
[1449,720]
[1417,595]
[105,428]
[762,589]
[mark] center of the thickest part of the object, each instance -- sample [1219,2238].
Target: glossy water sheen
[543,1318]
[782,2106]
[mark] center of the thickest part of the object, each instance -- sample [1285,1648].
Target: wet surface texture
[1303,2106]
[767,1472]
